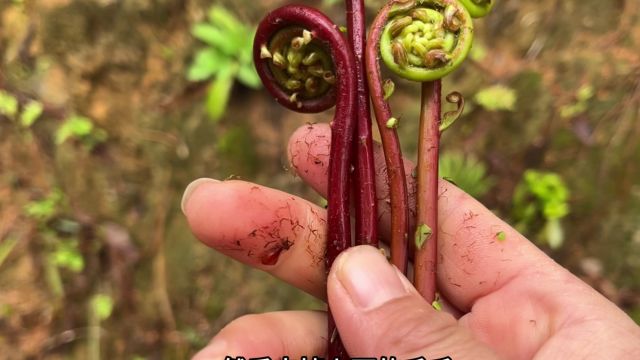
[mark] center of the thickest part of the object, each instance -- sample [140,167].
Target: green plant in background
[541,199]
[8,104]
[102,306]
[583,95]
[43,210]
[100,309]
[497,98]
[80,128]
[31,113]
[65,254]
[227,58]
[466,172]
[10,107]
[61,252]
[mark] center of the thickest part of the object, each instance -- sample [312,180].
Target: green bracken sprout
[425,40]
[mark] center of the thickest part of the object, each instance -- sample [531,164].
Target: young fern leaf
[450,117]
[424,40]
[307,65]
[419,40]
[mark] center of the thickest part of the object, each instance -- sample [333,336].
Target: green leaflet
[75,126]
[102,306]
[206,63]
[423,233]
[67,255]
[554,233]
[542,196]
[31,113]
[45,209]
[8,104]
[248,76]
[226,58]
[389,87]
[227,43]
[224,19]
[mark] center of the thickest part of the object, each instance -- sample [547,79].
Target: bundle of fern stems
[309,65]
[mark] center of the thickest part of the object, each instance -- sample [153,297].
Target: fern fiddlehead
[307,65]
[419,40]
[424,40]
[287,37]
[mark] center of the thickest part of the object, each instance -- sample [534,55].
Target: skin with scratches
[274,226]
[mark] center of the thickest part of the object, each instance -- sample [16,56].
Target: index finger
[478,252]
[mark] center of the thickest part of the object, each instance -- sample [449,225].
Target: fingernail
[368,277]
[191,188]
[216,350]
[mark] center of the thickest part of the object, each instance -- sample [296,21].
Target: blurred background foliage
[106,112]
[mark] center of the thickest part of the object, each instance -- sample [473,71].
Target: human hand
[502,298]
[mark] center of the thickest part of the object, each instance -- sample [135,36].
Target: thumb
[379,313]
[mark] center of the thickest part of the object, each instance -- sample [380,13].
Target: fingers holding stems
[486,269]
[247,221]
[363,302]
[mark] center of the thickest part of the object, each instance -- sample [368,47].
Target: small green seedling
[8,104]
[583,95]
[541,201]
[102,306]
[80,128]
[31,113]
[227,58]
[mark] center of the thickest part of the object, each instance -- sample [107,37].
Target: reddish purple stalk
[343,124]
[425,259]
[364,191]
[321,27]
[391,145]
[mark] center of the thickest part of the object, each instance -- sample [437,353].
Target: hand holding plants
[502,297]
